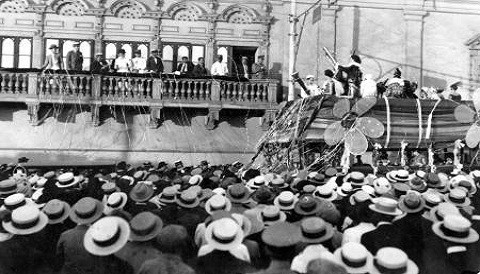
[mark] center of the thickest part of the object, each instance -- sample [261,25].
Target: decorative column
[327,33]
[414,20]
[265,20]
[211,43]
[38,45]
[99,14]
[156,42]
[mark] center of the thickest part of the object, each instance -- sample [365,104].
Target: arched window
[86,49]
[197,52]
[8,53]
[111,51]
[167,56]
[25,54]
[144,50]
[224,52]
[128,50]
[183,52]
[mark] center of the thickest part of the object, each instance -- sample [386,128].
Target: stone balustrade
[96,90]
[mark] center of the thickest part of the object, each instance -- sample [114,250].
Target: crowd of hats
[304,212]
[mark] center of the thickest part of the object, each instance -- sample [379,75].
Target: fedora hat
[393,260]
[385,206]
[463,181]
[224,234]
[26,220]
[417,184]
[66,180]
[115,201]
[316,178]
[438,213]
[57,211]
[381,186]
[315,230]
[307,205]
[360,197]
[15,201]
[8,187]
[188,199]
[432,198]
[282,235]
[217,202]
[145,226]
[356,178]
[285,200]
[354,257]
[325,192]
[238,193]
[456,229]
[141,192]
[168,195]
[86,211]
[271,214]
[106,236]
[412,202]
[457,197]
[345,189]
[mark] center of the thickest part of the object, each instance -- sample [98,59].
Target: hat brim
[66,212]
[281,219]
[42,222]
[397,211]
[143,238]
[210,210]
[355,270]
[107,210]
[472,236]
[343,194]
[81,221]
[76,180]
[331,199]
[222,246]
[276,202]
[467,201]
[328,235]
[412,268]
[347,177]
[193,205]
[405,208]
[97,250]
[140,199]
[243,200]
[302,212]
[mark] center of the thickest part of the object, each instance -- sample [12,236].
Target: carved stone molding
[128,9]
[14,6]
[155,118]
[32,109]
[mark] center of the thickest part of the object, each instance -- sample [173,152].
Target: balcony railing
[215,93]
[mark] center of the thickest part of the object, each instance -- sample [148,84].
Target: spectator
[138,62]
[331,85]
[99,65]
[219,68]
[154,63]
[53,60]
[75,58]
[185,67]
[311,86]
[199,70]
[243,69]
[122,64]
[259,70]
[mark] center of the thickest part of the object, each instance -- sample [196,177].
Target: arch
[70,7]
[8,50]
[128,9]
[238,14]
[13,6]
[185,11]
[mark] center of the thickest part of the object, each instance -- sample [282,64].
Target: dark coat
[155,64]
[384,235]
[166,264]
[135,208]
[136,253]
[99,66]
[199,70]
[222,262]
[412,226]
[240,71]
[18,255]
[74,60]
[189,68]
[350,73]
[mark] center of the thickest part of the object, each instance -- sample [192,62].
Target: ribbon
[389,122]
[430,118]
[420,122]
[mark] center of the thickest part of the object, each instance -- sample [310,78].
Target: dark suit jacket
[155,66]
[199,70]
[222,262]
[241,71]
[74,60]
[189,68]
[384,235]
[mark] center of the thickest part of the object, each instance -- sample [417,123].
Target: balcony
[169,91]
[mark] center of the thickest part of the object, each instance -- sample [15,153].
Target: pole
[291,52]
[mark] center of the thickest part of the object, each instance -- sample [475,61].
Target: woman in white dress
[122,64]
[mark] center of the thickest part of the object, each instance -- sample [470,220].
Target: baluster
[10,83]
[88,86]
[184,90]
[122,91]
[111,87]
[241,92]
[48,84]
[255,92]
[196,88]
[40,82]
[25,84]
[201,90]
[18,83]
[103,86]
[74,85]
[229,91]
[167,88]
[236,87]
[208,90]
[177,89]
[148,89]
[2,84]
[81,86]
[264,92]
[133,87]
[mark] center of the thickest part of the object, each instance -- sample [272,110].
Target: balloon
[371,127]
[356,142]
[334,133]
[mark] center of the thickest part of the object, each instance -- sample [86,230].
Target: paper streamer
[389,122]
[420,122]
[429,122]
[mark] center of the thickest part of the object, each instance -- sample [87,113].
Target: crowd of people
[232,219]
[152,64]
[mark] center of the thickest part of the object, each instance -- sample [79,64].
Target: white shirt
[139,63]
[122,64]
[368,88]
[219,69]
[314,90]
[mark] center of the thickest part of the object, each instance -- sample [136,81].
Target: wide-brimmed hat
[217,202]
[8,187]
[393,260]
[418,184]
[354,257]
[188,199]
[244,222]
[385,206]
[53,46]
[398,176]
[308,189]
[355,178]
[316,178]
[66,180]
[141,192]
[412,202]
[256,182]
[325,192]
[115,201]
[475,174]
[271,214]
[86,211]
[400,189]
[438,213]
[278,182]
[359,197]
[285,200]
[458,197]
[168,195]
[224,234]
[140,175]
[106,236]
[307,205]
[26,220]
[282,235]
[432,198]
[345,189]
[145,226]
[263,195]
[57,211]
[315,230]
[238,193]
[195,179]
[463,181]
[456,229]
[15,201]
[381,186]
[109,188]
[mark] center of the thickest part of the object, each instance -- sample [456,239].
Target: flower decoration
[465,114]
[352,128]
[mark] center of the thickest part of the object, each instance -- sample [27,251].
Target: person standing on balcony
[99,65]
[75,58]
[53,61]
[243,70]
[139,63]
[154,62]
[219,68]
[122,64]
[185,67]
[200,70]
[259,70]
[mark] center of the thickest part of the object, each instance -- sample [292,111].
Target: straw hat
[463,181]
[271,214]
[458,197]
[26,220]
[8,187]
[15,201]
[438,213]
[393,260]
[381,186]
[418,184]
[168,195]
[354,257]
[282,235]
[86,211]
[307,205]
[309,189]
[316,178]
[285,201]
[456,229]
[345,189]
[66,180]
[411,203]
[279,182]
[398,176]
[224,234]
[145,226]
[326,193]
[386,206]
[359,197]
[263,195]
[141,192]
[216,203]
[438,181]
[188,199]
[315,230]
[355,178]
[256,182]
[400,189]
[106,236]
[57,211]
[116,200]
[244,222]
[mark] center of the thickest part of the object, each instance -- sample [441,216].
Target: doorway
[238,53]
